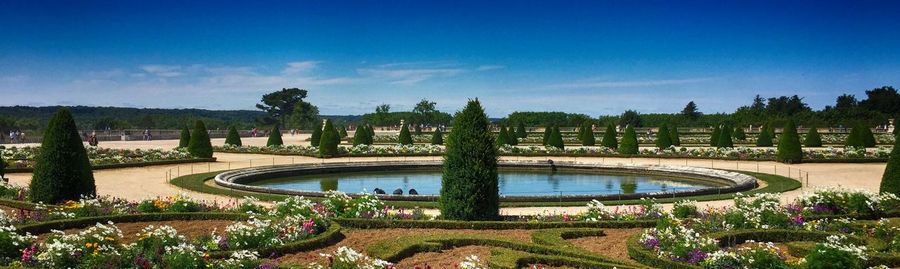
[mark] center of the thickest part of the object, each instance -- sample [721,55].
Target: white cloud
[300,67]
[408,76]
[627,83]
[489,67]
[162,70]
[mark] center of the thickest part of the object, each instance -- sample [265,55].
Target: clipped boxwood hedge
[125,165]
[487,225]
[63,224]
[502,258]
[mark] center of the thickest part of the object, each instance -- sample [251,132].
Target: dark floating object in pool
[398,192]
[379,191]
[413,192]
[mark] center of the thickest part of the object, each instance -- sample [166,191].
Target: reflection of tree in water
[609,185]
[554,182]
[406,182]
[328,184]
[664,187]
[628,184]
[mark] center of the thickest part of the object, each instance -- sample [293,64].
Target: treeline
[117,118]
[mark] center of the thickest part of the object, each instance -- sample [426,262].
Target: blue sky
[593,57]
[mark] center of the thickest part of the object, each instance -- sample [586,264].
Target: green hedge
[649,258]
[487,225]
[890,259]
[331,236]
[502,258]
[47,226]
[125,165]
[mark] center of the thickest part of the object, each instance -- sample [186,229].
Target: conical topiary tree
[867,136]
[405,138]
[359,136]
[328,143]
[233,138]
[580,131]
[673,134]
[890,181]
[438,137]
[343,131]
[629,142]
[813,139]
[609,137]
[502,136]
[714,137]
[62,170]
[739,134]
[469,185]
[418,129]
[520,131]
[588,138]
[789,150]
[765,137]
[200,146]
[316,138]
[547,131]
[855,138]
[371,138]
[274,138]
[725,137]
[185,138]
[556,139]
[663,141]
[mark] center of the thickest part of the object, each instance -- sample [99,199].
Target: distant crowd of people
[14,137]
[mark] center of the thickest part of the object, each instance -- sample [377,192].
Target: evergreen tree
[547,131]
[663,140]
[813,139]
[890,181]
[556,139]
[62,170]
[200,146]
[629,142]
[855,139]
[521,132]
[580,131]
[502,136]
[673,134]
[438,137]
[789,150]
[765,137]
[714,138]
[512,136]
[185,138]
[725,137]
[233,138]
[371,130]
[405,138]
[739,134]
[418,129]
[328,143]
[588,139]
[343,131]
[469,185]
[359,136]
[867,136]
[275,138]
[609,137]
[316,138]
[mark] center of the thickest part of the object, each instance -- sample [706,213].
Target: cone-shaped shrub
[185,138]
[547,131]
[233,138]
[556,139]
[200,145]
[438,137]
[418,129]
[714,138]
[765,137]
[890,181]
[663,141]
[739,134]
[629,142]
[405,138]
[371,139]
[813,139]
[502,136]
[512,136]
[609,137]
[867,136]
[725,137]
[588,138]
[789,150]
[328,143]
[855,138]
[580,131]
[359,136]
[316,138]
[62,170]
[469,185]
[275,138]
[520,131]
[673,134]
[343,131]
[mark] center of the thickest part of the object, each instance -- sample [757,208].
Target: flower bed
[23,157]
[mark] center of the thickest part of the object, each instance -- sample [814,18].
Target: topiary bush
[233,138]
[714,137]
[867,136]
[343,131]
[890,181]
[520,131]
[405,137]
[328,144]
[185,138]
[813,139]
[673,135]
[316,138]
[739,134]
[725,137]
[200,145]
[765,137]
[512,136]
[469,185]
[438,137]
[275,138]
[855,139]
[371,138]
[547,132]
[360,135]
[663,141]
[556,139]
[418,129]
[789,150]
[588,138]
[629,142]
[502,136]
[62,170]
[609,137]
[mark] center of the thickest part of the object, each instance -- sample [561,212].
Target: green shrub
[821,257]
[360,135]
[556,139]
[512,136]
[629,142]
[316,138]
[185,138]
[343,131]
[867,136]
[725,137]
[502,136]
[739,134]
[371,139]
[813,139]
[789,150]
[855,139]
[609,137]
[765,137]
[438,137]
[890,181]
[588,138]
[673,135]
[663,141]
[418,129]
[62,170]
[547,132]
[469,185]
[200,145]
[275,138]
[714,137]
[520,131]
[233,138]
[328,144]
[405,137]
